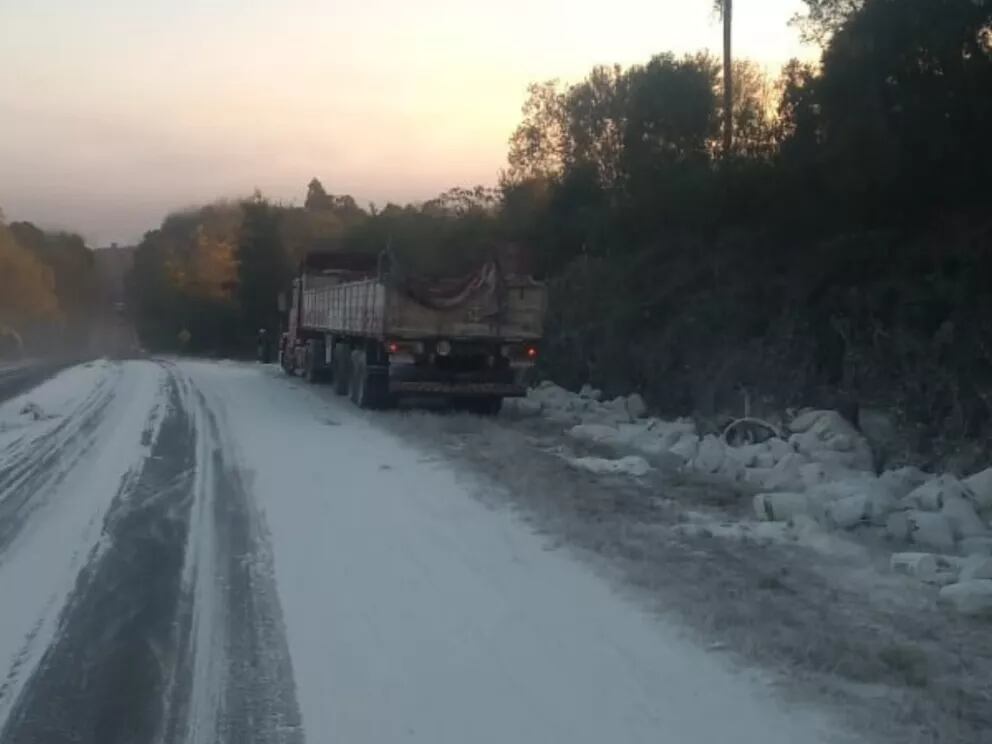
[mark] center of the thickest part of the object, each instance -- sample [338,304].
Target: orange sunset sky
[113,113]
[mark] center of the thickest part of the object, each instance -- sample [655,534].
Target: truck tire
[356,382]
[488,406]
[367,390]
[285,355]
[313,368]
[341,358]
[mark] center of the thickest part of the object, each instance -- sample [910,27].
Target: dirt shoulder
[819,611]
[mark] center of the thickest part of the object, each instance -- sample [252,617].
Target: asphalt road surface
[212,552]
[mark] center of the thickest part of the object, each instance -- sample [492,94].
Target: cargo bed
[372,308]
[379,336]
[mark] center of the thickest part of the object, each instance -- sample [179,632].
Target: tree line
[49,290]
[816,234]
[209,278]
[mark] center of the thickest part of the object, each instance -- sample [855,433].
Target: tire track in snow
[236,684]
[173,631]
[102,679]
[36,465]
[46,563]
[20,451]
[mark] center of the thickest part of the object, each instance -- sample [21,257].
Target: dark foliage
[71,279]
[264,269]
[837,251]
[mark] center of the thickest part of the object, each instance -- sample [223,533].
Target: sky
[115,112]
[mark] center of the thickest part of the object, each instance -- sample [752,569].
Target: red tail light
[393,347]
[520,353]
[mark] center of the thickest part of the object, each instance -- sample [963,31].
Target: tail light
[520,353]
[405,348]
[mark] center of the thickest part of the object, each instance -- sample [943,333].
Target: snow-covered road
[15,377]
[210,552]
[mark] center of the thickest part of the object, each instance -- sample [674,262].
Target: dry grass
[838,631]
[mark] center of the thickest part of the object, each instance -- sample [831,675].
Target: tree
[824,18]
[672,112]
[73,270]
[321,224]
[756,100]
[317,198]
[27,288]
[596,114]
[213,269]
[903,108]
[539,145]
[460,201]
[264,269]
[185,277]
[523,210]
[347,208]
[799,127]
[74,274]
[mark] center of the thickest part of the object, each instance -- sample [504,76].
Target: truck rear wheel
[488,406]
[286,360]
[356,385]
[313,371]
[366,390]
[341,358]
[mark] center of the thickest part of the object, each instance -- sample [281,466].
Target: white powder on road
[59,526]
[416,614]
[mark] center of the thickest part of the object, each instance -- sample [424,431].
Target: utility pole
[727,11]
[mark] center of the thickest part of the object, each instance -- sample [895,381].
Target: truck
[378,334]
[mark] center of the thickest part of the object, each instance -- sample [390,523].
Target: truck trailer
[378,334]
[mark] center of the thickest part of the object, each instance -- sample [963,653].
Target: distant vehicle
[378,336]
